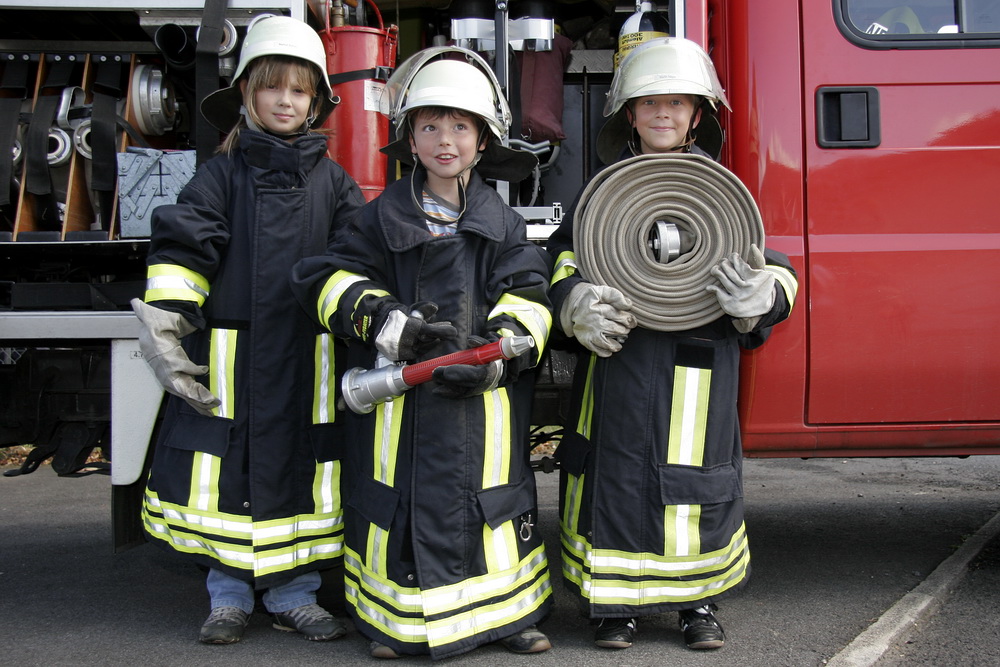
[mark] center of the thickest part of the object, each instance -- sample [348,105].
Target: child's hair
[266,71]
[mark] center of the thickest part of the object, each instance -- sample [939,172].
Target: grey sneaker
[379,650]
[316,623]
[529,640]
[224,625]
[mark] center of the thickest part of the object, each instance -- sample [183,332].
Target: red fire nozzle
[364,389]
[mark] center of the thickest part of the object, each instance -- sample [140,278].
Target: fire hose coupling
[364,389]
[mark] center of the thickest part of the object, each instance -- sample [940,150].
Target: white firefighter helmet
[446,76]
[457,78]
[665,66]
[272,36]
[662,66]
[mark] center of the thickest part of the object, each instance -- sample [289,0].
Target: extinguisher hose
[618,212]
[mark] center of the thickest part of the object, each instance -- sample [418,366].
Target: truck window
[919,23]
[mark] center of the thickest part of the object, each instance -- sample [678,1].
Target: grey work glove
[408,333]
[598,316]
[159,340]
[745,290]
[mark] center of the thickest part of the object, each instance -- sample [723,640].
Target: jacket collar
[405,227]
[267,152]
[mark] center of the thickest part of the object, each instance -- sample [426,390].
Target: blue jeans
[227,591]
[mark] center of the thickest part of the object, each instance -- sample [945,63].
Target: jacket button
[246,504]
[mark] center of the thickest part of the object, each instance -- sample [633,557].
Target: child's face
[283,107]
[445,145]
[662,121]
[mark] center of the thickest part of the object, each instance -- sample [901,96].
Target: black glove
[406,333]
[466,381]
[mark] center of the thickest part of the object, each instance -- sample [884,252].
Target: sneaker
[316,623]
[224,625]
[529,640]
[615,632]
[377,650]
[701,629]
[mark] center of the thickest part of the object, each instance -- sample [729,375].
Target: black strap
[210,36]
[15,85]
[107,90]
[36,142]
[379,73]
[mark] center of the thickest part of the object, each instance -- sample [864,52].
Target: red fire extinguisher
[360,60]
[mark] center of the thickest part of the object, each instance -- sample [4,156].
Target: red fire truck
[867,131]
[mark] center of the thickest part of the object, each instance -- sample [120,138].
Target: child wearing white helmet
[245,474]
[441,549]
[650,467]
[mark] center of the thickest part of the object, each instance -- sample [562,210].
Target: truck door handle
[848,117]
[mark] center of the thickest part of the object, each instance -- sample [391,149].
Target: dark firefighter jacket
[440,552]
[254,490]
[651,497]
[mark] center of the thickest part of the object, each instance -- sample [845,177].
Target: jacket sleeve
[344,290]
[518,289]
[786,286]
[563,259]
[187,243]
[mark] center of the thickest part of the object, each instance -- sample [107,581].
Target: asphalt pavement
[883,562]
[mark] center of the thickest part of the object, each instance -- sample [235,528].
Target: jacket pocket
[694,485]
[327,441]
[503,503]
[572,453]
[375,501]
[193,432]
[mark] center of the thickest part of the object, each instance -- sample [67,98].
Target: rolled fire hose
[617,218]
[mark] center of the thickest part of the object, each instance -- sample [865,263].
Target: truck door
[902,158]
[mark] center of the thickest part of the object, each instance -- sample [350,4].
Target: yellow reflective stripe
[572,500]
[301,553]
[654,590]
[533,316]
[686,446]
[681,529]
[689,416]
[221,378]
[648,564]
[175,283]
[382,603]
[204,488]
[500,545]
[222,525]
[441,632]
[326,487]
[333,290]
[788,282]
[324,408]
[583,424]
[385,450]
[565,266]
[496,440]
[238,540]
[388,423]
[476,590]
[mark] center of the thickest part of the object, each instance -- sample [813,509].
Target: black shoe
[313,621]
[529,640]
[701,629]
[224,625]
[615,633]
